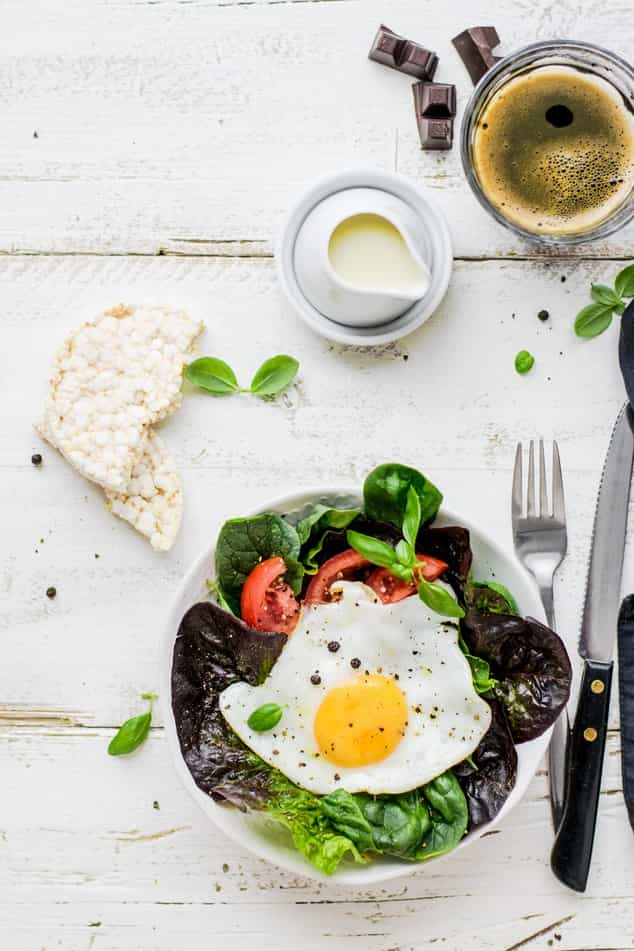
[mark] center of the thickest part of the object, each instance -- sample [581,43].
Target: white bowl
[334,297]
[439,259]
[267,839]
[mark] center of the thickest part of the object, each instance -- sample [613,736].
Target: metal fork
[541,541]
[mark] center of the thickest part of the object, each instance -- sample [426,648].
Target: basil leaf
[411,521]
[593,320]
[438,599]
[603,294]
[133,732]
[385,493]
[405,553]
[274,375]
[376,551]
[524,361]
[213,375]
[243,542]
[624,283]
[265,717]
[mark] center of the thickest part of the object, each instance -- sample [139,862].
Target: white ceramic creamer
[361,257]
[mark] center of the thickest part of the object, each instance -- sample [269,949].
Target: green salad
[350,678]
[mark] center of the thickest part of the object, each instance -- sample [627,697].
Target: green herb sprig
[595,318]
[217,377]
[134,731]
[403,561]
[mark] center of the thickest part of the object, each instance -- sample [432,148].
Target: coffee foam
[549,179]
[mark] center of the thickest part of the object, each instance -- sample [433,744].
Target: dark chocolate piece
[386,48]
[417,61]
[475,47]
[435,99]
[435,133]
[395,51]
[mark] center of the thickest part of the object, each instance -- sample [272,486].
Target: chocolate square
[435,133]
[387,48]
[435,99]
[390,49]
[475,47]
[416,61]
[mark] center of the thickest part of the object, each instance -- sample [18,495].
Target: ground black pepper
[355,663]
[51,592]
[36,459]
[333,646]
[543,315]
[315,679]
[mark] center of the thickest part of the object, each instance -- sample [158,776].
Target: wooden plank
[189,127]
[81,843]
[455,408]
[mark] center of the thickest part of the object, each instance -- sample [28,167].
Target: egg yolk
[361,721]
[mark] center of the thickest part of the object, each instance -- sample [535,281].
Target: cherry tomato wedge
[267,603]
[390,589]
[340,567]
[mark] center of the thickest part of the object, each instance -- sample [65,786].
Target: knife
[572,851]
[626,700]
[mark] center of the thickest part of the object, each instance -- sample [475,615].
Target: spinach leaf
[490,597]
[213,375]
[391,825]
[274,375]
[133,732]
[344,811]
[449,816]
[313,528]
[385,493]
[531,664]
[243,542]
[487,784]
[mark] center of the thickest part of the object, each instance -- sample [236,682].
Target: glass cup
[587,59]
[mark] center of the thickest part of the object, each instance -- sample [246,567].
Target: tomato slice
[340,567]
[390,589]
[267,603]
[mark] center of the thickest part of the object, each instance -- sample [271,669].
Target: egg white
[404,640]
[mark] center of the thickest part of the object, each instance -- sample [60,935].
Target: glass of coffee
[547,142]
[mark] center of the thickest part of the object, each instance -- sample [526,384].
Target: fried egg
[376,698]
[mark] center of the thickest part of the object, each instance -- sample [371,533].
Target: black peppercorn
[543,315]
[36,459]
[355,663]
[333,646]
[51,592]
[315,679]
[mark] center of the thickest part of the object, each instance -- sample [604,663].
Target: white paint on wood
[188,127]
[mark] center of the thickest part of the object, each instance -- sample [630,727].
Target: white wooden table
[148,149]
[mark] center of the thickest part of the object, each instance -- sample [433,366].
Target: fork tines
[558,509]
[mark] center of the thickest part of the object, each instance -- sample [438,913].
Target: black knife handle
[572,851]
